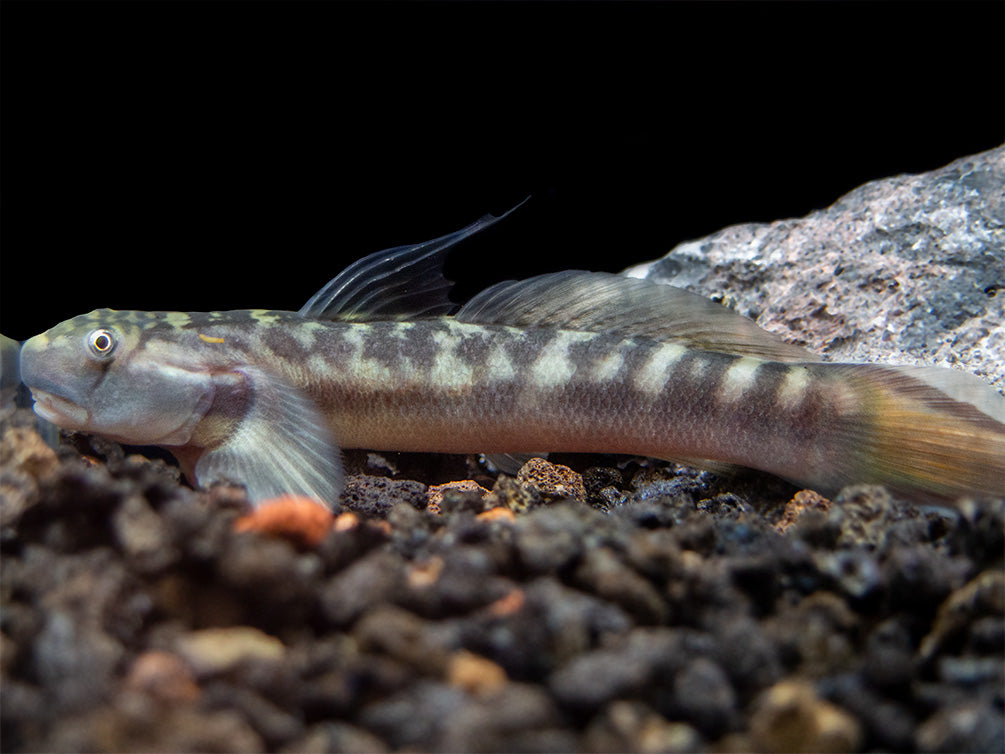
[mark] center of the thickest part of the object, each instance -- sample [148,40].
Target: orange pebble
[474,674]
[299,519]
[425,574]
[497,514]
[803,501]
[346,521]
[507,605]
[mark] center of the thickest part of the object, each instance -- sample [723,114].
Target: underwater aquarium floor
[587,604]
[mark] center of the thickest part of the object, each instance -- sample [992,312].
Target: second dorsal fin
[628,307]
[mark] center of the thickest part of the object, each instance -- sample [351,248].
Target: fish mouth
[60,411]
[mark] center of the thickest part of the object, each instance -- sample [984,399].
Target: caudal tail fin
[928,431]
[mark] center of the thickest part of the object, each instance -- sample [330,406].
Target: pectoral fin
[276,440]
[509,463]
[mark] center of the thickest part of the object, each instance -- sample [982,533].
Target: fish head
[116,374]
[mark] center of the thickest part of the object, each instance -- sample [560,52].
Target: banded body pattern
[440,385]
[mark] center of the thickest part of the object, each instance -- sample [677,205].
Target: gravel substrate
[610,606]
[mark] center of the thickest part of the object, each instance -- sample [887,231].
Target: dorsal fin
[629,307]
[399,283]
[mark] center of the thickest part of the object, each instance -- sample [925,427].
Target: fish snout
[32,362]
[50,385]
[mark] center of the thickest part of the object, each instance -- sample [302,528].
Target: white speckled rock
[907,270]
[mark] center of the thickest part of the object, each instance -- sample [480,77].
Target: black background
[197,156]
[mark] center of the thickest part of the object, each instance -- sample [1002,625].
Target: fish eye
[102,343]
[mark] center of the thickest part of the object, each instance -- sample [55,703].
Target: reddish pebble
[163,675]
[507,605]
[299,519]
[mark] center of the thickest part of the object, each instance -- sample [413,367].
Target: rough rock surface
[908,270]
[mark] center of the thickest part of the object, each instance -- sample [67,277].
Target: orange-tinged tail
[927,431]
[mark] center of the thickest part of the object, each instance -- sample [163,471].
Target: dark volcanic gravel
[604,608]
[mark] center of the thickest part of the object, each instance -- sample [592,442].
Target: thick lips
[38,363]
[59,411]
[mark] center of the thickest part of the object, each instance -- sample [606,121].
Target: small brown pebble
[141,534]
[425,574]
[328,736]
[435,493]
[24,450]
[983,595]
[790,717]
[18,493]
[375,578]
[217,650]
[404,636]
[602,572]
[633,726]
[473,673]
[967,725]
[163,675]
[509,493]
[551,480]
[300,520]
[867,512]
[231,496]
[801,502]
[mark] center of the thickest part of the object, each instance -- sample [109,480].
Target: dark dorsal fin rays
[629,307]
[400,283]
